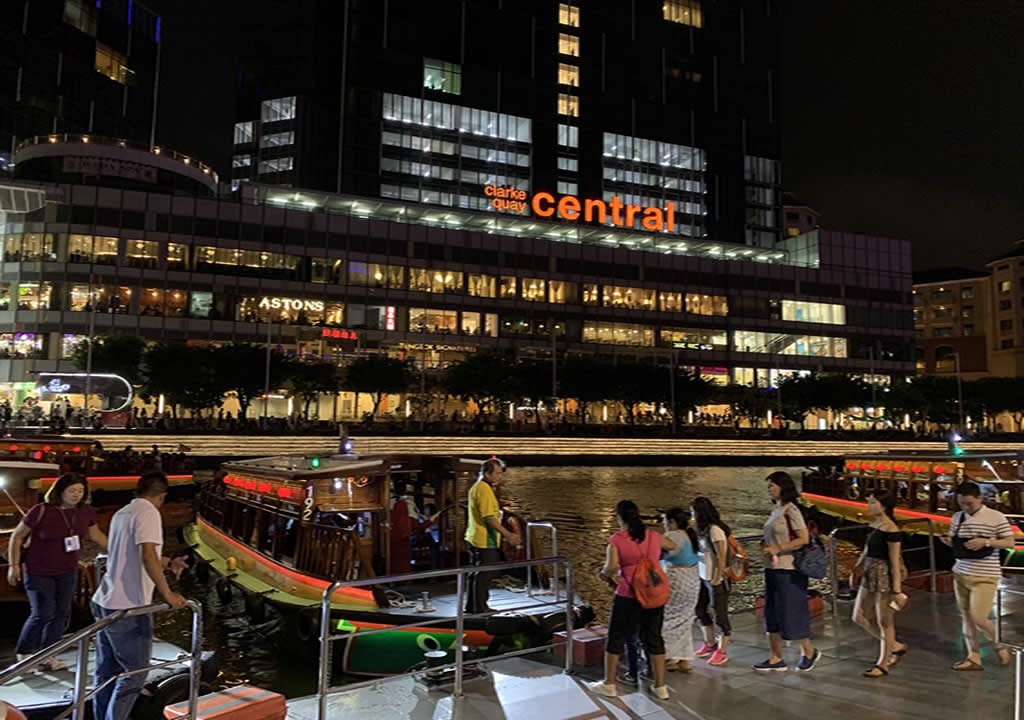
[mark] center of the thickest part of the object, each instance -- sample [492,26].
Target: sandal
[870,672]
[1004,656]
[897,655]
[967,666]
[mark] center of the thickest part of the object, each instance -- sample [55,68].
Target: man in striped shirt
[974,529]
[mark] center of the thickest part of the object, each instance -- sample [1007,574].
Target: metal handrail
[933,582]
[82,637]
[326,638]
[554,551]
[1018,650]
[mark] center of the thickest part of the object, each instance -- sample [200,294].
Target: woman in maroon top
[49,565]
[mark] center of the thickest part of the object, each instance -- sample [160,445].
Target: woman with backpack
[633,547]
[684,579]
[713,603]
[786,615]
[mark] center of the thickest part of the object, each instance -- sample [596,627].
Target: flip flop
[967,666]
[870,672]
[896,655]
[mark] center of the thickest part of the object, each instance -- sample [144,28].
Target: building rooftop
[946,274]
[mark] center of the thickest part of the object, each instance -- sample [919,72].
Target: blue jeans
[121,646]
[49,597]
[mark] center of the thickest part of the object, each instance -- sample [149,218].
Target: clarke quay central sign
[569,207]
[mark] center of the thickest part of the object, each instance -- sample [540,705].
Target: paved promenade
[475,445]
[921,687]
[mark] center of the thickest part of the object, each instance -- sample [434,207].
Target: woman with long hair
[786,616]
[625,549]
[881,572]
[49,566]
[713,602]
[684,579]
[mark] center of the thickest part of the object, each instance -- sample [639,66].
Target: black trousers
[479,587]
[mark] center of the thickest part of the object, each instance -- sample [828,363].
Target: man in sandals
[976,534]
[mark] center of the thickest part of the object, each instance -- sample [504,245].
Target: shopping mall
[333,275]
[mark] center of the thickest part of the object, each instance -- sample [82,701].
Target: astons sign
[569,207]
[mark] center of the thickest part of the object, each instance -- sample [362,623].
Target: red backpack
[650,584]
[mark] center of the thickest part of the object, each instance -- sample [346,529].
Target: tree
[307,379]
[531,381]
[484,378]
[633,384]
[120,354]
[752,403]
[692,390]
[377,375]
[242,369]
[185,375]
[586,379]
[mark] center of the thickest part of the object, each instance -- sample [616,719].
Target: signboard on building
[299,305]
[569,207]
[109,166]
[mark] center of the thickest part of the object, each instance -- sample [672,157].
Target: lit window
[278,109]
[282,164]
[568,44]
[1005,286]
[568,75]
[570,164]
[443,76]
[241,161]
[567,188]
[278,139]
[243,133]
[568,15]
[686,12]
[112,64]
[568,136]
[568,105]
[80,16]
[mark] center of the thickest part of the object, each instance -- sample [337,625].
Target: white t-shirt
[706,556]
[126,583]
[776,531]
[986,523]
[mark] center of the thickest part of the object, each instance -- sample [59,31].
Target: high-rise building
[77,66]
[654,101]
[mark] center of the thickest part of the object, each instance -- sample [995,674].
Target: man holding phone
[977,533]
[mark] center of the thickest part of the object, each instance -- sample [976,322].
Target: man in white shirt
[976,573]
[134,569]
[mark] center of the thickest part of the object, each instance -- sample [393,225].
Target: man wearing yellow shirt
[482,533]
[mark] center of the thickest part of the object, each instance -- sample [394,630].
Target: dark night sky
[902,118]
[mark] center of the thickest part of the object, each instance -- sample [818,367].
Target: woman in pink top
[625,548]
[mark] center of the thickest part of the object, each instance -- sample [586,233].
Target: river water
[580,501]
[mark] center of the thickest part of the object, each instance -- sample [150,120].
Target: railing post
[325,651]
[529,556]
[81,677]
[460,610]
[568,617]
[195,666]
[931,555]
[1018,688]
[834,572]
[554,565]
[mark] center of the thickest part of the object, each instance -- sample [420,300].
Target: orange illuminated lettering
[569,207]
[588,211]
[543,197]
[616,206]
[653,219]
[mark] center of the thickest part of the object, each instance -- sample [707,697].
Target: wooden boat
[924,485]
[281,529]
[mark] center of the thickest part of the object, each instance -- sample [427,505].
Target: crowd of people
[129,461]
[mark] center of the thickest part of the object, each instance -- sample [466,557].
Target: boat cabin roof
[940,456]
[307,467]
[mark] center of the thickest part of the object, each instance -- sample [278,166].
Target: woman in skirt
[881,572]
[684,579]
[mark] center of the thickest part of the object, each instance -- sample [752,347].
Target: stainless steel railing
[529,556]
[326,638]
[1018,651]
[82,638]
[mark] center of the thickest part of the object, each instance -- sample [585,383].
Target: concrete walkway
[920,687]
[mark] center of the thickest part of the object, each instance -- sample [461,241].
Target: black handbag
[960,550]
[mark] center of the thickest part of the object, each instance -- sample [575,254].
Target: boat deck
[443,598]
[921,686]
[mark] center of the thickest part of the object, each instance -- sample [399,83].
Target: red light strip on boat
[115,478]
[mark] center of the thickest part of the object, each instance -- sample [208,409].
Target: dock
[922,685]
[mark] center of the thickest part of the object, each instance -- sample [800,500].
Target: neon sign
[338,334]
[571,208]
[56,386]
[281,303]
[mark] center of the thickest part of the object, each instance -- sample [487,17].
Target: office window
[141,253]
[804,311]
[568,105]
[241,161]
[685,12]
[429,320]
[34,295]
[618,333]
[788,344]
[200,304]
[941,313]
[561,291]
[1005,285]
[670,302]
[112,64]
[568,136]
[568,75]
[375,275]
[481,324]
[535,289]
[435,281]
[628,297]
[81,16]
[282,164]
[443,76]
[1006,344]
[243,133]
[278,139]
[278,109]
[567,188]
[568,15]
[918,315]
[569,164]
[706,304]
[568,45]
[694,339]
[967,293]
[507,286]
[942,296]
[1006,326]
[177,256]
[590,294]
[942,332]
[21,345]
[481,285]
[968,329]
[1005,304]
[967,311]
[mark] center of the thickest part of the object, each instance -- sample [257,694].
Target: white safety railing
[1016,649]
[555,587]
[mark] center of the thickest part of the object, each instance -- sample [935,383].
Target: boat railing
[834,556]
[81,639]
[555,588]
[1016,648]
[327,638]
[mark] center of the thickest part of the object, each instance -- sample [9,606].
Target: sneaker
[23,656]
[53,665]
[769,666]
[718,658]
[706,650]
[602,688]
[807,664]
[661,691]
[626,678]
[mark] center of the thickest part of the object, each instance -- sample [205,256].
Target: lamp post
[959,393]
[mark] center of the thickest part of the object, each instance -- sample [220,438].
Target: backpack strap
[789,524]
[959,523]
